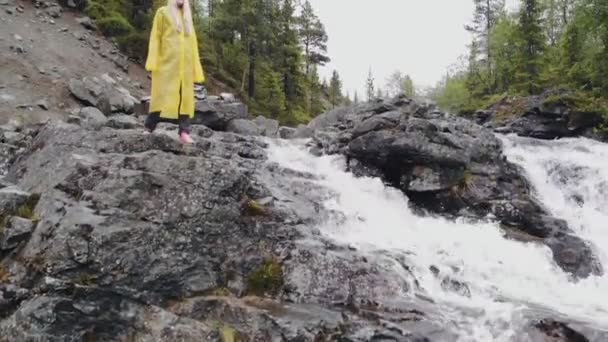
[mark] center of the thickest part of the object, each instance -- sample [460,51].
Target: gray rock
[12,198]
[122,122]
[302,132]
[18,48]
[244,127]
[92,117]
[103,94]
[87,23]
[286,132]
[43,104]
[268,127]
[217,114]
[54,11]
[228,97]
[5,2]
[13,138]
[16,231]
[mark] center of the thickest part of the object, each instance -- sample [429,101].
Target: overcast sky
[419,37]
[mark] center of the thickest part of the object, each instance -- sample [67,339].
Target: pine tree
[335,89]
[270,90]
[356,98]
[485,17]
[347,99]
[369,85]
[407,87]
[313,37]
[531,47]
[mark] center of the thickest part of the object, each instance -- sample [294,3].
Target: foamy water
[506,278]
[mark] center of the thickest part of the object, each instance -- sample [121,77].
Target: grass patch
[227,334]
[509,107]
[253,208]
[266,279]
[27,210]
[221,292]
[4,275]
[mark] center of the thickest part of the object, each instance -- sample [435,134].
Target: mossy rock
[266,279]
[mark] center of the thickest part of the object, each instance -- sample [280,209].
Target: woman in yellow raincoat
[174,61]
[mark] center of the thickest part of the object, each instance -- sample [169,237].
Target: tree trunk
[252,57]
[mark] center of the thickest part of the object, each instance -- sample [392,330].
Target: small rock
[17,230]
[13,138]
[286,132]
[4,2]
[18,48]
[87,23]
[9,11]
[93,117]
[228,97]
[20,9]
[12,198]
[71,4]
[64,29]
[243,126]
[43,104]
[122,122]
[18,38]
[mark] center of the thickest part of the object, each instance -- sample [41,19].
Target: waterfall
[509,281]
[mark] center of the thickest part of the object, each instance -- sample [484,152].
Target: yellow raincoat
[174,62]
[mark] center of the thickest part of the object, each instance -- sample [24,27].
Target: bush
[115,25]
[134,45]
[266,279]
[96,11]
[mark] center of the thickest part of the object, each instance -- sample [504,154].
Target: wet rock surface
[445,165]
[136,236]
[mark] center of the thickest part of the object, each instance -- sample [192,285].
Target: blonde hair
[187,15]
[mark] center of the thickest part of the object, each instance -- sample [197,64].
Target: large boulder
[244,127]
[216,114]
[268,127]
[103,93]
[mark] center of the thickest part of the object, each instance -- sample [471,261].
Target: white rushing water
[506,278]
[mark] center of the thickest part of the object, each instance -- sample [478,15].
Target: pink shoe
[185,139]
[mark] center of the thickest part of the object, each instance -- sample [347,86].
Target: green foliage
[266,279]
[253,208]
[134,43]
[545,44]
[27,210]
[4,275]
[114,26]
[227,334]
[335,90]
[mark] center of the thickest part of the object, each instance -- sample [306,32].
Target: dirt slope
[39,54]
